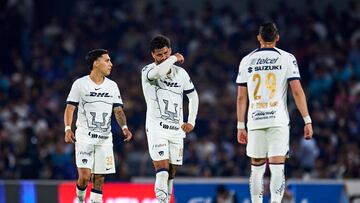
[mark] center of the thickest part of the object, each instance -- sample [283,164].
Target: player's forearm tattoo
[120,116]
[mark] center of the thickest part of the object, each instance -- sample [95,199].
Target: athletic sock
[80,193]
[161,185]
[277,182]
[95,196]
[256,183]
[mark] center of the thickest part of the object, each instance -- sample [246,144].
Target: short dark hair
[92,55]
[268,31]
[158,42]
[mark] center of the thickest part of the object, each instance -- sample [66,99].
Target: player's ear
[153,55]
[258,38]
[170,51]
[95,63]
[277,38]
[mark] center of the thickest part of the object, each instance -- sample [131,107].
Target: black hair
[268,31]
[92,55]
[158,42]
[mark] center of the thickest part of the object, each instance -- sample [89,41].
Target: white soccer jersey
[95,105]
[266,72]
[164,100]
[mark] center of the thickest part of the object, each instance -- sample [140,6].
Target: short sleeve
[145,73]
[188,85]
[74,95]
[241,77]
[292,72]
[117,97]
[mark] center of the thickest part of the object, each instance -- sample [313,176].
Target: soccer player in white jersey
[263,80]
[95,97]
[164,85]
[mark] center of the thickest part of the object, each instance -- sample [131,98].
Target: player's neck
[268,45]
[97,78]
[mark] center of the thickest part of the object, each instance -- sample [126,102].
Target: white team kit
[93,134]
[164,115]
[266,72]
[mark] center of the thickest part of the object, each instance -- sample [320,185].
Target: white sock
[256,183]
[80,193]
[170,188]
[161,186]
[277,182]
[95,196]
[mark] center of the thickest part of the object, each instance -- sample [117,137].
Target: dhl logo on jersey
[99,94]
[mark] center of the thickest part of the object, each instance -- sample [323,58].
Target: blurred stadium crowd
[42,52]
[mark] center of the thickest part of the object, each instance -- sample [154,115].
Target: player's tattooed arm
[120,116]
[121,119]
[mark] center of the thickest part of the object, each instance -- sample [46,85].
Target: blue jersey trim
[189,91]
[267,49]
[117,105]
[294,78]
[72,103]
[147,75]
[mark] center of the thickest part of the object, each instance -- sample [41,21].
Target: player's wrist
[174,58]
[307,119]
[124,127]
[240,125]
[67,128]
[192,123]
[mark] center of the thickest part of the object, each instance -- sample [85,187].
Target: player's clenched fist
[127,134]
[180,58]
[242,136]
[187,127]
[69,137]
[308,131]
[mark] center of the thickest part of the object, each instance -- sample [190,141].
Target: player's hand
[187,127]
[308,131]
[127,134]
[242,136]
[180,58]
[69,137]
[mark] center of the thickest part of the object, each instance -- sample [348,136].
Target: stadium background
[43,44]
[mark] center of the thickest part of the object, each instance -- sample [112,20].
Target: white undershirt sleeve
[162,69]
[193,107]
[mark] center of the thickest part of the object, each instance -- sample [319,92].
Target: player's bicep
[295,86]
[242,92]
[118,109]
[69,109]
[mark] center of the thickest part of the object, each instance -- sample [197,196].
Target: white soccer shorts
[161,148]
[268,142]
[98,158]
